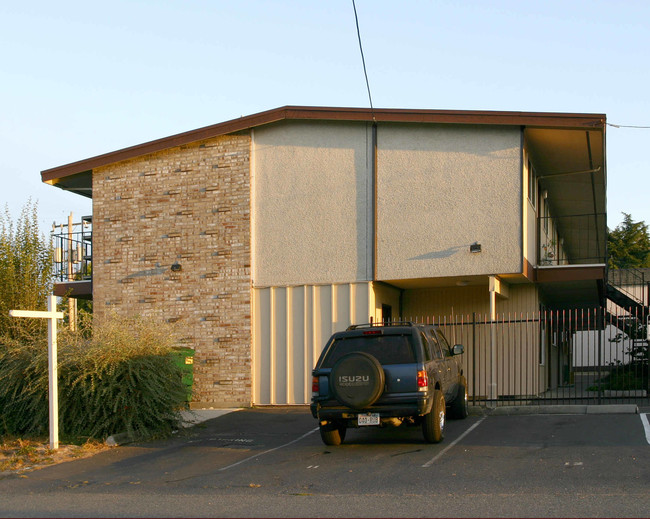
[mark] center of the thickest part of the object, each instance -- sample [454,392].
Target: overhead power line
[627,126]
[363,60]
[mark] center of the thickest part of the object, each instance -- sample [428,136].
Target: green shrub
[23,388]
[122,378]
[624,377]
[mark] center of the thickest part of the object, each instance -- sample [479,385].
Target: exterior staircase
[625,300]
[629,290]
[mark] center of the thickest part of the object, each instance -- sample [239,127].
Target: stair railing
[630,281]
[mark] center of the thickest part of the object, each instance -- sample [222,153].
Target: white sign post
[52,315]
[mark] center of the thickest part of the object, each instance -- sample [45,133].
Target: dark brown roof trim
[562,120]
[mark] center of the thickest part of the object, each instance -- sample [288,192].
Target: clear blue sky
[84,78]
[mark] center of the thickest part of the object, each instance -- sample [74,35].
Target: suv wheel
[433,423]
[357,380]
[332,434]
[459,407]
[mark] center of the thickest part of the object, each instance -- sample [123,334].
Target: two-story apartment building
[262,235]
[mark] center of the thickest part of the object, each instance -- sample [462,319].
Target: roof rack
[381,323]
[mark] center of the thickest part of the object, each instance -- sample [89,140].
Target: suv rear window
[387,349]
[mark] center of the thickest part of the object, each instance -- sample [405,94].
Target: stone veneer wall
[188,205]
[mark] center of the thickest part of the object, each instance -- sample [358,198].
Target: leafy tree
[629,245]
[25,273]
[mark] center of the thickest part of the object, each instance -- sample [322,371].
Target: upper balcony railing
[572,240]
[72,246]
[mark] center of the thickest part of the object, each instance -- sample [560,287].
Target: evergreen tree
[629,245]
[25,273]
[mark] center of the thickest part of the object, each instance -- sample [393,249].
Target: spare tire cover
[357,380]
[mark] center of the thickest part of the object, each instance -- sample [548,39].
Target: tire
[433,423]
[459,407]
[332,434]
[357,380]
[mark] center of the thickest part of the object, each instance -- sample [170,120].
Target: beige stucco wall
[311,202]
[439,189]
[442,188]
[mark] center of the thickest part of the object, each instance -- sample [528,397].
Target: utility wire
[365,73]
[363,60]
[627,126]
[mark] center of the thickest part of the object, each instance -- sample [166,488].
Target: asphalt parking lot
[270,462]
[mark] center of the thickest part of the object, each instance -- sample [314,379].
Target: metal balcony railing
[72,246]
[572,240]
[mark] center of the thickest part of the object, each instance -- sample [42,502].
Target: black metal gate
[584,356]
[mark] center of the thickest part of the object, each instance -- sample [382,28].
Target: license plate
[369,419]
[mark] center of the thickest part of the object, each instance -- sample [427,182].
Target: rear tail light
[314,385]
[423,381]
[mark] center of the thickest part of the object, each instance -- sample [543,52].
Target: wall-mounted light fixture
[545,194]
[176,267]
[475,247]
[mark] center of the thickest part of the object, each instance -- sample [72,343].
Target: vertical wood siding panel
[300,372]
[262,356]
[281,347]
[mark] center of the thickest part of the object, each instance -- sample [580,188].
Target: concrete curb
[521,410]
[195,416]
[613,409]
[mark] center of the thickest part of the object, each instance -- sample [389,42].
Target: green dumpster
[184,359]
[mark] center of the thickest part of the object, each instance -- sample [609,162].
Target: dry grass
[19,456]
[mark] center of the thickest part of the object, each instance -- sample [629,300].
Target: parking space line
[443,451]
[646,426]
[268,451]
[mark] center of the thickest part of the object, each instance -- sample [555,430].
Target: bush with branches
[120,377]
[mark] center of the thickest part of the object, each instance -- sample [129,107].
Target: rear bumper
[331,410]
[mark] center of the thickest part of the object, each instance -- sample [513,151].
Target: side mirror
[458,349]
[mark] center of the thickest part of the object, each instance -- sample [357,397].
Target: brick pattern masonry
[188,205]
